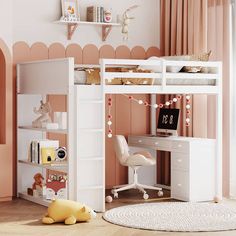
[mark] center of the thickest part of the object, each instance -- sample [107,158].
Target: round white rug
[174,216]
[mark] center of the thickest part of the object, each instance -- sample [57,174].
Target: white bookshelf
[85,132]
[31,90]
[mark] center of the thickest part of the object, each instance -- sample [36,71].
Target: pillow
[175,69]
[93,76]
[153,68]
[80,77]
[172,69]
[198,57]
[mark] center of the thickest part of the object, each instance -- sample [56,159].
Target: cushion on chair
[121,148]
[140,160]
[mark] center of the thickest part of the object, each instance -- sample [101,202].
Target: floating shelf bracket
[106,29]
[71,29]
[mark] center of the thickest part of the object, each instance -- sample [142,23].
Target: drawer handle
[156,143]
[179,160]
[179,185]
[140,141]
[180,145]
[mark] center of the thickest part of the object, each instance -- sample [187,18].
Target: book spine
[90,13]
[98,14]
[102,15]
[39,153]
[33,151]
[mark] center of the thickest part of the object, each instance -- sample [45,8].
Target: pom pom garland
[145,103]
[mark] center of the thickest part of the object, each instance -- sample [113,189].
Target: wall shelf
[72,26]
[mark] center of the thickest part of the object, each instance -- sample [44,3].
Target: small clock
[168,119]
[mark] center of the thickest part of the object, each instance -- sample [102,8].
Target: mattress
[80,78]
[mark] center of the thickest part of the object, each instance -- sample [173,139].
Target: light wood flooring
[21,217]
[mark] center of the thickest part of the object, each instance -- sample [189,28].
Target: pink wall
[128,118]
[6,144]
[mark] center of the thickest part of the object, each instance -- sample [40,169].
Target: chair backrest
[121,148]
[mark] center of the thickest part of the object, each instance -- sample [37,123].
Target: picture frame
[70,9]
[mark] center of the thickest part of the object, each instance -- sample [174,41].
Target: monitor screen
[168,119]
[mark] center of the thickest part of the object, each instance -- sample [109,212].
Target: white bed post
[218,169]
[103,83]
[153,114]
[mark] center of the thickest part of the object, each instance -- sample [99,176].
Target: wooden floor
[21,217]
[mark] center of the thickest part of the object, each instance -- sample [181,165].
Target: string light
[188,107]
[145,103]
[109,117]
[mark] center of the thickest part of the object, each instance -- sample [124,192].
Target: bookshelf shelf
[62,166]
[59,131]
[72,26]
[38,200]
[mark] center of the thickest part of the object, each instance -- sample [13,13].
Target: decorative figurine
[107,16]
[44,111]
[126,22]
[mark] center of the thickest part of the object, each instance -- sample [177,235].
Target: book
[90,13]
[102,14]
[36,148]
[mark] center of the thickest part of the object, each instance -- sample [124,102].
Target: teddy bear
[38,181]
[67,211]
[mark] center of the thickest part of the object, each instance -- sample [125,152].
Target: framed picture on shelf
[70,10]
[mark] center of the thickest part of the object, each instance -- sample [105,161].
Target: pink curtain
[218,41]
[193,27]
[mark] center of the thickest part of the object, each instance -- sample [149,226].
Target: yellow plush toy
[68,212]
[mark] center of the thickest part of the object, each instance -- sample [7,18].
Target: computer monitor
[168,121]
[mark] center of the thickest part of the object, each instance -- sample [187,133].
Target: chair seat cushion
[140,160]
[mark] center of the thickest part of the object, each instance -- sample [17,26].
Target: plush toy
[38,181]
[44,111]
[68,212]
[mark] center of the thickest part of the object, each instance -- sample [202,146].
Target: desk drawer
[179,161]
[180,146]
[180,185]
[151,142]
[160,143]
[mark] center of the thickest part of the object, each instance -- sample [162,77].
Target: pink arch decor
[6,145]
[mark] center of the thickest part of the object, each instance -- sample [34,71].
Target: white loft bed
[86,137]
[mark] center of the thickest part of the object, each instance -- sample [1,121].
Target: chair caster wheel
[160,193]
[115,195]
[145,196]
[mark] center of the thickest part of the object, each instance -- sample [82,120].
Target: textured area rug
[174,216]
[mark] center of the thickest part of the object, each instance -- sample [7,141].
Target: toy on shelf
[56,185]
[44,118]
[38,186]
[126,22]
[61,154]
[107,16]
[68,212]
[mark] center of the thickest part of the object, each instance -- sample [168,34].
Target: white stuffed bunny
[126,22]
[44,111]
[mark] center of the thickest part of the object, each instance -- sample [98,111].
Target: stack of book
[36,147]
[95,14]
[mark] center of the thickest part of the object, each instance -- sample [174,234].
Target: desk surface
[174,138]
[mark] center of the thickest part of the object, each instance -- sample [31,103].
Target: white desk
[192,164]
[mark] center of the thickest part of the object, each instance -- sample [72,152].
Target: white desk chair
[134,161]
